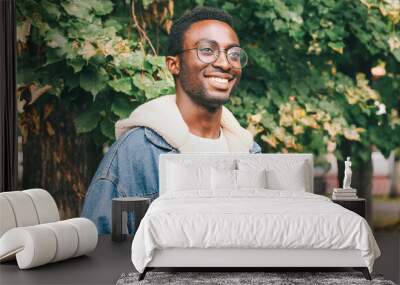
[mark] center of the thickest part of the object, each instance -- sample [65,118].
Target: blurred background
[323,77]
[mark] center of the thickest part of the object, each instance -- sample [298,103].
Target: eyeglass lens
[208,52]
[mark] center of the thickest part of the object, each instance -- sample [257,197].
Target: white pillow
[235,179]
[181,178]
[290,181]
[223,179]
[282,174]
[251,178]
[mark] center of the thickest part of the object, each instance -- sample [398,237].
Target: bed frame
[246,259]
[249,258]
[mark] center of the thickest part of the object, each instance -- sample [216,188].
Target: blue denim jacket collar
[157,140]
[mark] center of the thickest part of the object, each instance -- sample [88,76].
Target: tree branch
[141,31]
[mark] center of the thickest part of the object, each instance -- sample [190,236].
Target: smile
[219,80]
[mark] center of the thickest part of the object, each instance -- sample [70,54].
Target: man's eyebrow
[212,41]
[233,45]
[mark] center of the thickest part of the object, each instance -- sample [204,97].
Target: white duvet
[250,219]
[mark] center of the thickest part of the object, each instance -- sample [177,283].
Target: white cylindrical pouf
[40,244]
[45,205]
[67,239]
[34,245]
[87,234]
[30,230]
[23,208]
[7,218]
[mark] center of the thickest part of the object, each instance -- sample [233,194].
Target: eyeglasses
[209,51]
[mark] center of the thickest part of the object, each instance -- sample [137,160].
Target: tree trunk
[361,177]
[394,192]
[55,158]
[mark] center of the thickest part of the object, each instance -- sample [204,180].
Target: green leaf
[152,93]
[336,46]
[52,9]
[121,106]
[26,75]
[142,81]
[107,128]
[87,121]
[77,64]
[262,60]
[280,25]
[228,6]
[102,7]
[151,87]
[113,22]
[396,53]
[98,137]
[53,56]
[93,81]
[78,8]
[55,39]
[163,87]
[98,60]
[71,80]
[134,60]
[123,85]
[157,60]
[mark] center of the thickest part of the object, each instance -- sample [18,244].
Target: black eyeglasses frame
[226,51]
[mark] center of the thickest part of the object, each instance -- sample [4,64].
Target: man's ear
[173,65]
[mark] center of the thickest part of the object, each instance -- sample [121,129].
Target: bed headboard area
[284,171]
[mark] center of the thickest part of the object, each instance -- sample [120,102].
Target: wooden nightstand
[358,206]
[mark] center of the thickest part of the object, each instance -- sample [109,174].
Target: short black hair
[175,39]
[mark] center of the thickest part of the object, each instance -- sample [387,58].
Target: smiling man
[206,60]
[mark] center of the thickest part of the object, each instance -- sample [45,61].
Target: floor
[110,260]
[389,262]
[103,266]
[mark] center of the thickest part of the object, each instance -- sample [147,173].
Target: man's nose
[222,61]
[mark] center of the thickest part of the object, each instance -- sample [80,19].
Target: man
[206,60]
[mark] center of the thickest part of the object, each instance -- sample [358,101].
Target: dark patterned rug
[243,278]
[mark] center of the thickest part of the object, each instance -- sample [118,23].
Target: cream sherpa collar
[163,116]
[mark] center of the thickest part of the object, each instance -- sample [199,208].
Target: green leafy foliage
[321,73]
[93,80]
[314,80]
[122,85]
[87,121]
[89,48]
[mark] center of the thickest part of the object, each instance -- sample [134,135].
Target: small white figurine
[347,174]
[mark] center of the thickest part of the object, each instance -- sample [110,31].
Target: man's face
[208,84]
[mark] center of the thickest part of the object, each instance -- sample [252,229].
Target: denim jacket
[129,168]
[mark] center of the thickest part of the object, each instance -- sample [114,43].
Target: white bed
[195,223]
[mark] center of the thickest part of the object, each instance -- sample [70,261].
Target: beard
[198,93]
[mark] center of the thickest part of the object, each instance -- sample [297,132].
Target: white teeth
[220,80]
